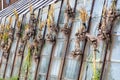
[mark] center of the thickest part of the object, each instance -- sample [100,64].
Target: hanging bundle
[39,36]
[10,21]
[18,24]
[15,13]
[27,32]
[31,8]
[41,26]
[108,17]
[48,24]
[52,29]
[1,32]
[36,48]
[83,16]
[81,33]
[69,11]
[77,51]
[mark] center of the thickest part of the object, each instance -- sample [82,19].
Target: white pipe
[2,3]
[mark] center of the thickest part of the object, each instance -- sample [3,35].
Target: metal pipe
[107,47]
[16,51]
[67,45]
[37,69]
[9,52]
[53,48]
[88,30]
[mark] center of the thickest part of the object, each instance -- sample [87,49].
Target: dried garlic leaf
[10,20]
[31,8]
[18,24]
[83,15]
[15,13]
[42,25]
[48,23]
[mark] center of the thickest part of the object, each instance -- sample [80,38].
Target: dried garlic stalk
[42,25]
[83,15]
[15,13]
[31,8]
[18,24]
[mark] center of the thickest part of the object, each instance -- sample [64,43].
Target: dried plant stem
[94,63]
[16,14]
